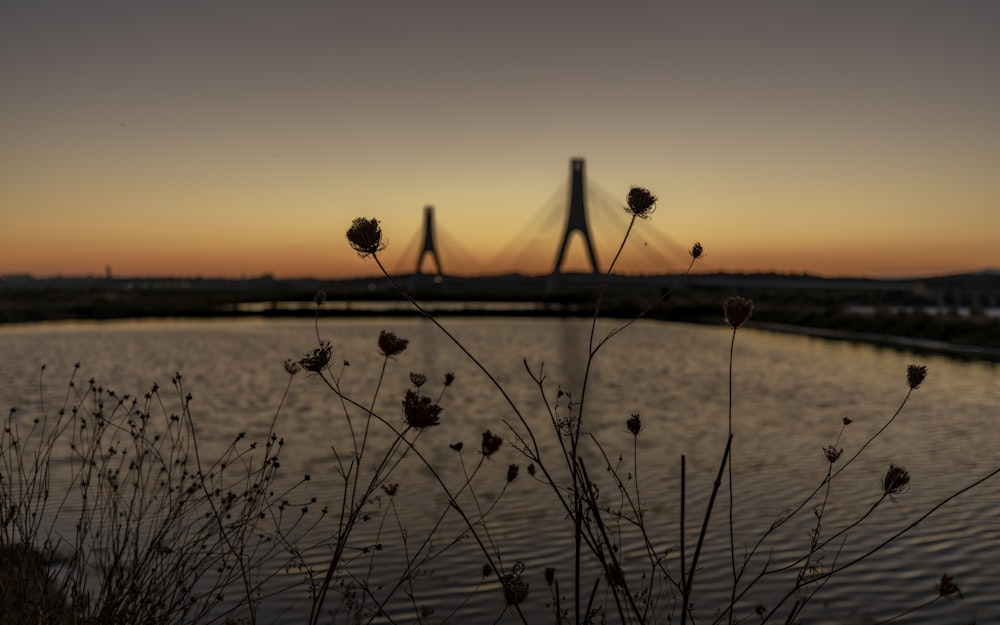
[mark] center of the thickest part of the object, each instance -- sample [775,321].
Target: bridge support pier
[577,220]
[428,247]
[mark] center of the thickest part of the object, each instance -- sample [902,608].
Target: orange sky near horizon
[240,139]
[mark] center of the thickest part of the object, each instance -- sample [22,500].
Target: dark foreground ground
[956,314]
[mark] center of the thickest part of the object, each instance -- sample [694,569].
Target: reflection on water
[390,306]
[790,396]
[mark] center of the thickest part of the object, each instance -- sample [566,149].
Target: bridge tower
[577,220]
[428,247]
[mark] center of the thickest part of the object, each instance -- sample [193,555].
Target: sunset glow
[229,140]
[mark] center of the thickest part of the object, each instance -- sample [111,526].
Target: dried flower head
[456,446]
[291,367]
[491,443]
[947,587]
[848,420]
[420,412]
[514,589]
[531,469]
[640,202]
[418,379]
[448,379]
[896,480]
[320,298]
[915,375]
[832,453]
[318,358]
[512,472]
[550,575]
[634,424]
[737,310]
[365,236]
[390,344]
[390,488]
[487,569]
[696,251]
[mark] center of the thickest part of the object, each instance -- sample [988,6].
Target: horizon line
[986,271]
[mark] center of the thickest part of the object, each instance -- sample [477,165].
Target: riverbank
[958,350]
[896,313]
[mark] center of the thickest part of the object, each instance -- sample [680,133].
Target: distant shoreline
[919,345]
[954,315]
[975,352]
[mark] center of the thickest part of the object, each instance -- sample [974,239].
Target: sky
[238,139]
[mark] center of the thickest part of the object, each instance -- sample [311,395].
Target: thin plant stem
[645,311]
[244,573]
[891,539]
[452,498]
[917,608]
[802,504]
[457,343]
[368,420]
[683,516]
[596,512]
[732,494]
[689,583]
[575,432]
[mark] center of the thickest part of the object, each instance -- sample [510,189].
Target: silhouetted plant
[158,535]
[665,592]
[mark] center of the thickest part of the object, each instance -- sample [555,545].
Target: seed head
[420,412]
[365,236]
[418,379]
[491,443]
[390,488]
[512,472]
[696,251]
[915,375]
[487,569]
[291,367]
[318,358]
[390,344]
[550,575]
[514,589]
[947,587]
[448,379]
[640,202]
[848,420]
[456,446]
[832,453]
[737,310]
[531,469]
[896,480]
[634,424]
[320,298]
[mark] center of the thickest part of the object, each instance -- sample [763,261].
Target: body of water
[790,396]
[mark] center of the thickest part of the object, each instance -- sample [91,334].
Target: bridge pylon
[428,246]
[577,219]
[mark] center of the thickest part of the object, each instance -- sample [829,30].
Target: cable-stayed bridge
[559,257]
[578,230]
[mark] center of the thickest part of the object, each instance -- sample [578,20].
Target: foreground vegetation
[164,533]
